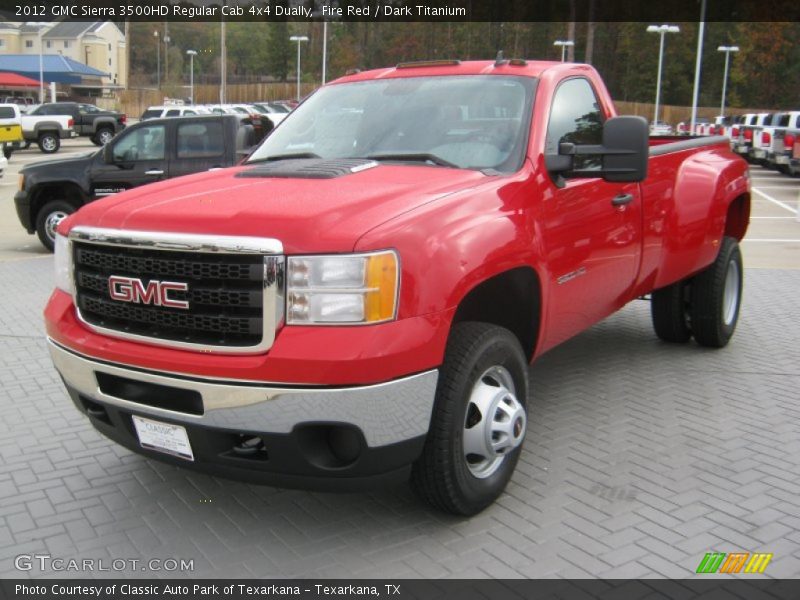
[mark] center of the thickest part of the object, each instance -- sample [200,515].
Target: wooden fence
[134,102]
[675,114]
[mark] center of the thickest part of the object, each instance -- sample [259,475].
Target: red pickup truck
[359,301]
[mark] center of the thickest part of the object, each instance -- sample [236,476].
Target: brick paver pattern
[640,457]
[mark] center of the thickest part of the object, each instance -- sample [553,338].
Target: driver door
[139,156]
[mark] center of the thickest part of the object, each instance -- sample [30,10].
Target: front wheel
[478,423]
[49,142]
[717,296]
[47,221]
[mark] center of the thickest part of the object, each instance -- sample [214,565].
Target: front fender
[451,245]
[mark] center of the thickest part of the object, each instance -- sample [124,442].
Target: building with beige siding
[98,44]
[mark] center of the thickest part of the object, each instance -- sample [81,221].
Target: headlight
[351,288]
[63,264]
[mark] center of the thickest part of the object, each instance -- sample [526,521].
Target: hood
[305,214]
[59,162]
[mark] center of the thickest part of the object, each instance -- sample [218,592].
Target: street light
[158,57]
[324,50]
[662,30]
[41,65]
[298,39]
[192,54]
[166,57]
[564,45]
[727,50]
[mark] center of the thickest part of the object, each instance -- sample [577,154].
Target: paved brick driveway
[640,458]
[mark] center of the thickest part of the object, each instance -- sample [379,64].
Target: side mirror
[627,138]
[108,154]
[624,152]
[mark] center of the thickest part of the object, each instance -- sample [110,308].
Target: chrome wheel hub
[52,221]
[730,295]
[495,422]
[48,143]
[105,136]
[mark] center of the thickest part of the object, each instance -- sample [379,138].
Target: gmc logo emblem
[130,289]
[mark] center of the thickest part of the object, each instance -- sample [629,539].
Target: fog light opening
[250,446]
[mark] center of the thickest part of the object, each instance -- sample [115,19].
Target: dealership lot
[640,457]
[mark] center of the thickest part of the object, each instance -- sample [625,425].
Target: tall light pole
[299,39]
[166,58]
[324,49]
[158,57]
[41,64]
[223,61]
[727,50]
[192,54]
[564,45]
[662,30]
[698,63]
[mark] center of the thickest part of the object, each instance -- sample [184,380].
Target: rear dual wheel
[705,306]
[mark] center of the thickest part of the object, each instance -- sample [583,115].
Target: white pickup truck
[777,152]
[758,153]
[45,131]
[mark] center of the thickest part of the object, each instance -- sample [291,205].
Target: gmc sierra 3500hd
[359,301]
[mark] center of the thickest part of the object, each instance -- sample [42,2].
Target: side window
[575,117]
[145,143]
[200,140]
[6,112]
[173,112]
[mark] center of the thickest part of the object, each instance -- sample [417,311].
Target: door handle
[622,200]
[154,172]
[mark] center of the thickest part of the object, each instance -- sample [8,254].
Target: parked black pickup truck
[98,124]
[144,153]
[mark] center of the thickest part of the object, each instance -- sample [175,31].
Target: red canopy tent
[13,80]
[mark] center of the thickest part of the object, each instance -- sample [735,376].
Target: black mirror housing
[108,154]
[628,140]
[625,151]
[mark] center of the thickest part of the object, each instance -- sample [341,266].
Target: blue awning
[57,68]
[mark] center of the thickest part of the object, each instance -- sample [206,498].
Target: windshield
[470,122]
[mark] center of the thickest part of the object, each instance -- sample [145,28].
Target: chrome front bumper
[386,413]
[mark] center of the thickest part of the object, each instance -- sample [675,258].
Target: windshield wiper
[287,156]
[414,157]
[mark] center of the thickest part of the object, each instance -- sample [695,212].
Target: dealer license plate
[163,437]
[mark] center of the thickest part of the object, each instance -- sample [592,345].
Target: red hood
[307,215]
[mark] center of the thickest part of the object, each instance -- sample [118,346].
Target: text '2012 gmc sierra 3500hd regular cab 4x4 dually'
[359,301]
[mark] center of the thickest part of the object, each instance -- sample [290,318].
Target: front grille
[225,294]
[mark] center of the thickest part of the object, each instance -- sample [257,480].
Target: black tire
[717,297]
[7,151]
[444,476]
[102,136]
[94,141]
[784,169]
[669,309]
[48,217]
[49,142]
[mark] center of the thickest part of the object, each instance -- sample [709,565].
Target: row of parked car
[264,116]
[768,139]
[47,124]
